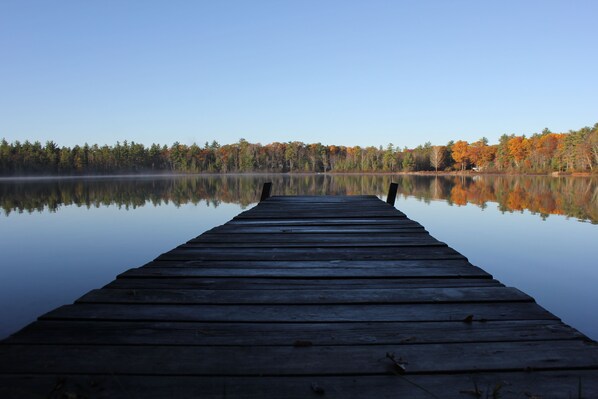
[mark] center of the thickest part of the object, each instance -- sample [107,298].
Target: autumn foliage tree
[461,153]
[481,154]
[518,148]
[541,152]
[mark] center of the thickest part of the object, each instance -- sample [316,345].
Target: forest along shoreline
[541,153]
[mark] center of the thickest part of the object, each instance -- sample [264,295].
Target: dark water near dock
[62,237]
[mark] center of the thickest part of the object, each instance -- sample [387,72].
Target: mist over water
[64,237]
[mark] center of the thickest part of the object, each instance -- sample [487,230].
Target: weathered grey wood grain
[363,229]
[291,360]
[184,278]
[296,214]
[316,263]
[506,385]
[266,334]
[314,199]
[304,313]
[297,297]
[330,221]
[428,266]
[319,253]
[314,239]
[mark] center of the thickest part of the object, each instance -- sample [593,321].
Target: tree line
[574,151]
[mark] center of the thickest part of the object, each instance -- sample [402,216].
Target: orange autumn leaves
[478,154]
[575,151]
[514,195]
[545,152]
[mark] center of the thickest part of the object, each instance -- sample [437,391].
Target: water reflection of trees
[574,197]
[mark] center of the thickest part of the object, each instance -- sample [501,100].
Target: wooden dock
[301,297]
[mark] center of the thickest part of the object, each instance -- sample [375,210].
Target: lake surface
[60,238]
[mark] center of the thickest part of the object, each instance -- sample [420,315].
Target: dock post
[392,194]
[266,191]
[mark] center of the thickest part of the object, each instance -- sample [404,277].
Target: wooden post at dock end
[392,194]
[266,191]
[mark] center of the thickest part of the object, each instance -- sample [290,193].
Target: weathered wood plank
[306,232]
[506,385]
[315,253]
[323,198]
[288,240]
[338,222]
[372,264]
[330,221]
[319,212]
[363,229]
[369,276]
[354,243]
[251,334]
[366,204]
[297,297]
[290,360]
[183,280]
[304,313]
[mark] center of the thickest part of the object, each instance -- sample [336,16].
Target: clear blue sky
[337,72]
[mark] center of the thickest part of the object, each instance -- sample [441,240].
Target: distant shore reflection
[543,195]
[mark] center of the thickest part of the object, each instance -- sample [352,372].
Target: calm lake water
[63,237]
